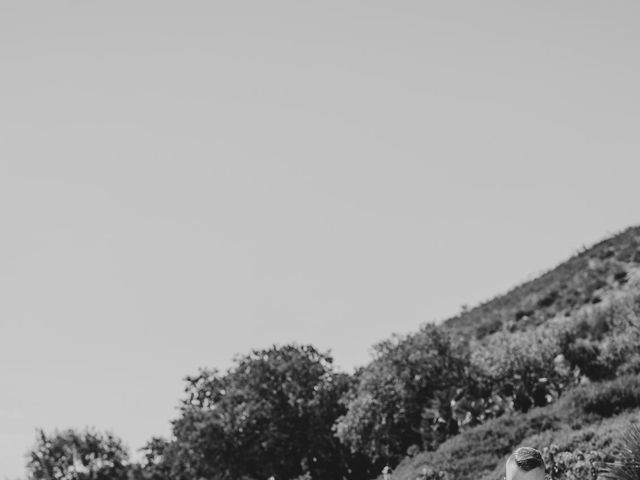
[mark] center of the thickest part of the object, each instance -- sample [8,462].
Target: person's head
[525,464]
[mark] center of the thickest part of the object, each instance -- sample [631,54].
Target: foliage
[571,465]
[482,450]
[269,415]
[628,466]
[581,281]
[605,401]
[604,341]
[404,396]
[73,455]
[554,362]
[159,461]
[524,368]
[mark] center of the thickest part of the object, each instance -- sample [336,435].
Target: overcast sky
[182,182]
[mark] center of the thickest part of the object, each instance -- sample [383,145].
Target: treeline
[286,412]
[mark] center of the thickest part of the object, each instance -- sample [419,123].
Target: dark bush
[585,355]
[611,398]
[620,277]
[548,299]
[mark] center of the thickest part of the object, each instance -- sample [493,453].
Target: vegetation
[554,364]
[569,424]
[71,455]
[584,279]
[628,466]
[402,399]
[270,415]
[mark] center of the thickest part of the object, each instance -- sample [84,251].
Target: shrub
[571,465]
[603,341]
[585,355]
[522,367]
[627,467]
[611,398]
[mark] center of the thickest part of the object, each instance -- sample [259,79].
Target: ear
[511,470]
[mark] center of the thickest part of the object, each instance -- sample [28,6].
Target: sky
[182,182]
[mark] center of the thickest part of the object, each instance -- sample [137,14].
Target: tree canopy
[271,414]
[78,455]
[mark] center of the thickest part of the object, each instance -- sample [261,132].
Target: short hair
[527,459]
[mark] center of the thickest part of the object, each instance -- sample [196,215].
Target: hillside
[582,280]
[582,316]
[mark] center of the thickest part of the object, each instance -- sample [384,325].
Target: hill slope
[583,279]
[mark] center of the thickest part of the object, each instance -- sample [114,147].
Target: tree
[269,415]
[73,455]
[158,461]
[403,398]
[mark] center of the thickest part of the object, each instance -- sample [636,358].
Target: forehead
[515,473]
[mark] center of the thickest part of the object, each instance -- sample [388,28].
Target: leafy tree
[403,398]
[73,455]
[269,415]
[158,461]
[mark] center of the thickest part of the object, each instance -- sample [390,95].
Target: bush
[522,366]
[611,398]
[628,466]
[602,342]
[585,355]
[571,465]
